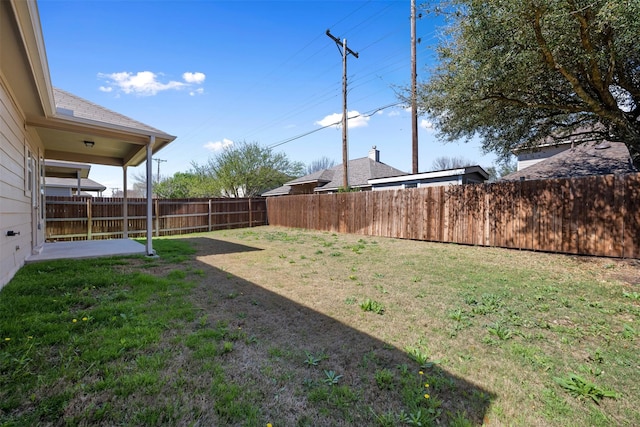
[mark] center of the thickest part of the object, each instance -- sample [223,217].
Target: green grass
[244,336]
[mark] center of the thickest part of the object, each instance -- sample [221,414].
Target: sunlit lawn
[288,327]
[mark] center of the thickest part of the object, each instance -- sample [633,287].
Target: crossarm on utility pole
[339,43]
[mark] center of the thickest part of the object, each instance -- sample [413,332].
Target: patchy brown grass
[298,292]
[247,331]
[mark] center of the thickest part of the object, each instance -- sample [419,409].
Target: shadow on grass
[206,246]
[290,349]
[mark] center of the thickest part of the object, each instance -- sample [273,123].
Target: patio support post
[125,205]
[78,177]
[150,251]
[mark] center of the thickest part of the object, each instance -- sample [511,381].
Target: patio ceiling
[81,131]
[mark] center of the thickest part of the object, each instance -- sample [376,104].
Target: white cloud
[394,113]
[147,83]
[426,124]
[355,120]
[218,145]
[198,91]
[197,78]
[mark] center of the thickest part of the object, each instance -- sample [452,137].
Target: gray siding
[15,200]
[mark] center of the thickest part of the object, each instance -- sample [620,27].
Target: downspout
[150,251]
[79,182]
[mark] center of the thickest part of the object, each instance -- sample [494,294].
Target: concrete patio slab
[88,249]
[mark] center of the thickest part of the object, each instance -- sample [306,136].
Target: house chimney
[374,154]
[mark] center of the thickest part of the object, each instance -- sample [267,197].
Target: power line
[302,135]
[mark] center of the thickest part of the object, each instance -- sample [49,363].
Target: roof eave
[28,19]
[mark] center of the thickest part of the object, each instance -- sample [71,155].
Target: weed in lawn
[500,330]
[384,379]
[227,347]
[373,306]
[312,360]
[381,289]
[460,420]
[628,332]
[387,419]
[350,300]
[420,355]
[578,387]
[631,295]
[331,378]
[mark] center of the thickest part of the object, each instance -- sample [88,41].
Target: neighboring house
[38,121]
[69,179]
[331,180]
[529,155]
[458,176]
[586,159]
[69,187]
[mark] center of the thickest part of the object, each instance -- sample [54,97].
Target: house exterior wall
[527,159]
[59,191]
[430,182]
[20,189]
[303,188]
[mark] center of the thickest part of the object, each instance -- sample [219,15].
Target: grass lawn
[297,328]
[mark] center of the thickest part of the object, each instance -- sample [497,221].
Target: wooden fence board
[80,218]
[590,216]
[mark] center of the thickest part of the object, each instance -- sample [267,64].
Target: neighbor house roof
[61,169]
[589,158]
[86,184]
[360,172]
[425,176]
[280,191]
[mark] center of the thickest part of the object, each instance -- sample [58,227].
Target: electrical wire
[367,114]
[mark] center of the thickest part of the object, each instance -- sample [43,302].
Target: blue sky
[217,72]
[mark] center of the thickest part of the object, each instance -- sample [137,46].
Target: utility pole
[159,161]
[342,46]
[414,95]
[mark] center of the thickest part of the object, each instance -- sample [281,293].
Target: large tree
[446,162]
[184,185]
[517,72]
[247,169]
[320,164]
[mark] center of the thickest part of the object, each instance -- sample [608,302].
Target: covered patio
[81,131]
[87,249]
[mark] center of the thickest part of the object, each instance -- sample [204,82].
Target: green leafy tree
[247,169]
[497,171]
[518,71]
[184,185]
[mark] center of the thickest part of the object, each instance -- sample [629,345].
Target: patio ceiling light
[89,144]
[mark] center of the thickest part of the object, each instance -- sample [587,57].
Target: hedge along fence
[82,218]
[588,216]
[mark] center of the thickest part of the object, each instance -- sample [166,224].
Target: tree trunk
[634,152]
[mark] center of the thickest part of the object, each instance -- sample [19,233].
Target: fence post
[157,206]
[89,220]
[209,218]
[250,218]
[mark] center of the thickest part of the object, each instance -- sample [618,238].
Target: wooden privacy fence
[80,218]
[590,216]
